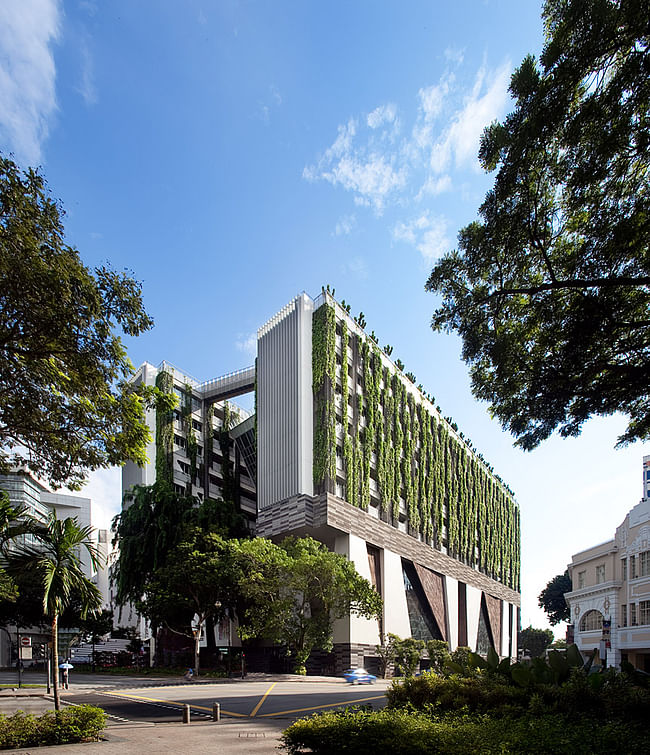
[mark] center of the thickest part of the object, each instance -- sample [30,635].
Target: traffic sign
[26,642]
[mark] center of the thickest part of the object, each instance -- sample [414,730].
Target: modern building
[610,596]
[24,490]
[345,448]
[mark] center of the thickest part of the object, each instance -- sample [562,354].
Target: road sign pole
[19,660]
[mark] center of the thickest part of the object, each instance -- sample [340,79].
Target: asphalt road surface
[243,701]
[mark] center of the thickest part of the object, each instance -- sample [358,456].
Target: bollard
[216,712]
[186,714]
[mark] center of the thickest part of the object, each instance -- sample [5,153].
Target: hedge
[402,732]
[79,723]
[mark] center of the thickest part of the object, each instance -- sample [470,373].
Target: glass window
[591,620]
[624,569]
[644,612]
[623,615]
[581,579]
[632,614]
[633,574]
[600,574]
[644,566]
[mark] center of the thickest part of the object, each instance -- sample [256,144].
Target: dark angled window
[484,641]
[423,624]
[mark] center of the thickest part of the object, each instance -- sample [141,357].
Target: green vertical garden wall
[410,453]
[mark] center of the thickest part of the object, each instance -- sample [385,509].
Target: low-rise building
[25,491]
[610,596]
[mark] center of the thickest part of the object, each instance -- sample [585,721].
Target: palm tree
[57,561]
[14,525]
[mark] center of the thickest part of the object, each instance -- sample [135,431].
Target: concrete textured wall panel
[396,617]
[451,587]
[473,613]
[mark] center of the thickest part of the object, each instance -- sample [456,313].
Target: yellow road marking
[259,705]
[172,702]
[318,707]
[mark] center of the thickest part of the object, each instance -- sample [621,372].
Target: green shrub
[430,692]
[409,733]
[609,696]
[80,723]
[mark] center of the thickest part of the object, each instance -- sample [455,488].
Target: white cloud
[86,87]
[428,234]
[455,55]
[382,114]
[435,185]
[368,172]
[459,143]
[247,343]
[28,29]
[378,166]
[345,225]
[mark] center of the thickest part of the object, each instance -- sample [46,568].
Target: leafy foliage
[535,641]
[438,654]
[406,732]
[490,708]
[154,521]
[65,408]
[56,561]
[419,458]
[404,653]
[549,290]
[198,580]
[551,598]
[78,723]
[295,591]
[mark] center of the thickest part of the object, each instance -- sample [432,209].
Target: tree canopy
[535,641]
[295,590]
[551,598]
[550,288]
[154,521]
[65,409]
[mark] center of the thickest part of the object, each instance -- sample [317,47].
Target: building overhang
[325,516]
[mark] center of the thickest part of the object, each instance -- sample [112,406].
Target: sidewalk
[226,738]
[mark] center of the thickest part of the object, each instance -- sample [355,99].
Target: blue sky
[233,154]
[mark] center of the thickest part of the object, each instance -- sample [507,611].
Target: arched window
[591,620]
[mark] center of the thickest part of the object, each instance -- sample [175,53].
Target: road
[256,699]
[248,700]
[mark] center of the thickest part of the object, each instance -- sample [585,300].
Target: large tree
[550,289]
[534,641]
[551,598]
[295,591]
[64,406]
[154,520]
[198,582]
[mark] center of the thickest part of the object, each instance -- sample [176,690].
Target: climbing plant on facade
[323,383]
[164,430]
[424,469]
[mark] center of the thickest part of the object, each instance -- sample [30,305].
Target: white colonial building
[611,584]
